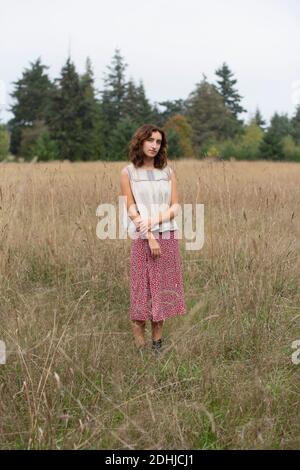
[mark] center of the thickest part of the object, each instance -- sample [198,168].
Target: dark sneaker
[157,345]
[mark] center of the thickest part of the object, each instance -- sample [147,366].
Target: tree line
[69,119]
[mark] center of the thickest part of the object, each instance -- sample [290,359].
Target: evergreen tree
[91,117]
[174,147]
[280,125]
[32,95]
[136,105]
[113,98]
[226,87]
[4,141]
[29,135]
[124,105]
[207,114]
[120,138]
[130,99]
[144,106]
[157,116]
[114,93]
[66,120]
[271,147]
[43,147]
[295,123]
[172,108]
[258,119]
[272,144]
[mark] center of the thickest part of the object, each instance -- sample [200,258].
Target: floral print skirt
[156,283]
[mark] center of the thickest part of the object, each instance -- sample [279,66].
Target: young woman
[149,186]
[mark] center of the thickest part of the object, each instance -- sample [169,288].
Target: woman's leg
[138,328]
[157,327]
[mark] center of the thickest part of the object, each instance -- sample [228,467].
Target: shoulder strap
[130,170]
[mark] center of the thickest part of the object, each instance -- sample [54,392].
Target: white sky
[168,44]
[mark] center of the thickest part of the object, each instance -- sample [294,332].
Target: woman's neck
[148,163]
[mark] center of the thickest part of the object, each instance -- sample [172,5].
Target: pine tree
[4,141]
[41,144]
[258,119]
[66,120]
[144,107]
[271,147]
[207,114]
[30,136]
[32,95]
[272,144]
[114,92]
[136,105]
[91,119]
[174,147]
[226,87]
[295,123]
[120,138]
[157,116]
[280,125]
[172,108]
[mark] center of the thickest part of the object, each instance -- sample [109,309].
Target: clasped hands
[144,225]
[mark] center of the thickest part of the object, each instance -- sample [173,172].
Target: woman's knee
[157,323]
[139,322]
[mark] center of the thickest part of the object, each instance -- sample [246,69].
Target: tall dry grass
[73,378]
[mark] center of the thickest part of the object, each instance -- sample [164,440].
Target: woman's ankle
[156,338]
[140,342]
[157,345]
[157,330]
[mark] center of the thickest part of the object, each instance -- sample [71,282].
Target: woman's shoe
[157,345]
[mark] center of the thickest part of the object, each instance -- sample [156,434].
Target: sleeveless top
[151,190]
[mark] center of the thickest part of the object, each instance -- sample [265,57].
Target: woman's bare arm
[131,206]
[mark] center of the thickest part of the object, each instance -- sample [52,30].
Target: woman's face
[152,145]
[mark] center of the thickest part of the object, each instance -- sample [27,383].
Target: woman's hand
[136,222]
[146,224]
[154,247]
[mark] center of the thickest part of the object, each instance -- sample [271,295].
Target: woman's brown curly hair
[136,154]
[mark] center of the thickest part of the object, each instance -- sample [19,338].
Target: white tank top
[152,193]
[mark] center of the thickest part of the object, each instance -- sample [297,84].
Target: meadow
[73,378]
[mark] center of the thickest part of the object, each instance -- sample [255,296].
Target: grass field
[73,378]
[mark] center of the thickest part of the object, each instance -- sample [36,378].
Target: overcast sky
[168,44]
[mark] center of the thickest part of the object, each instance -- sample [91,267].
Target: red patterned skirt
[156,283]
